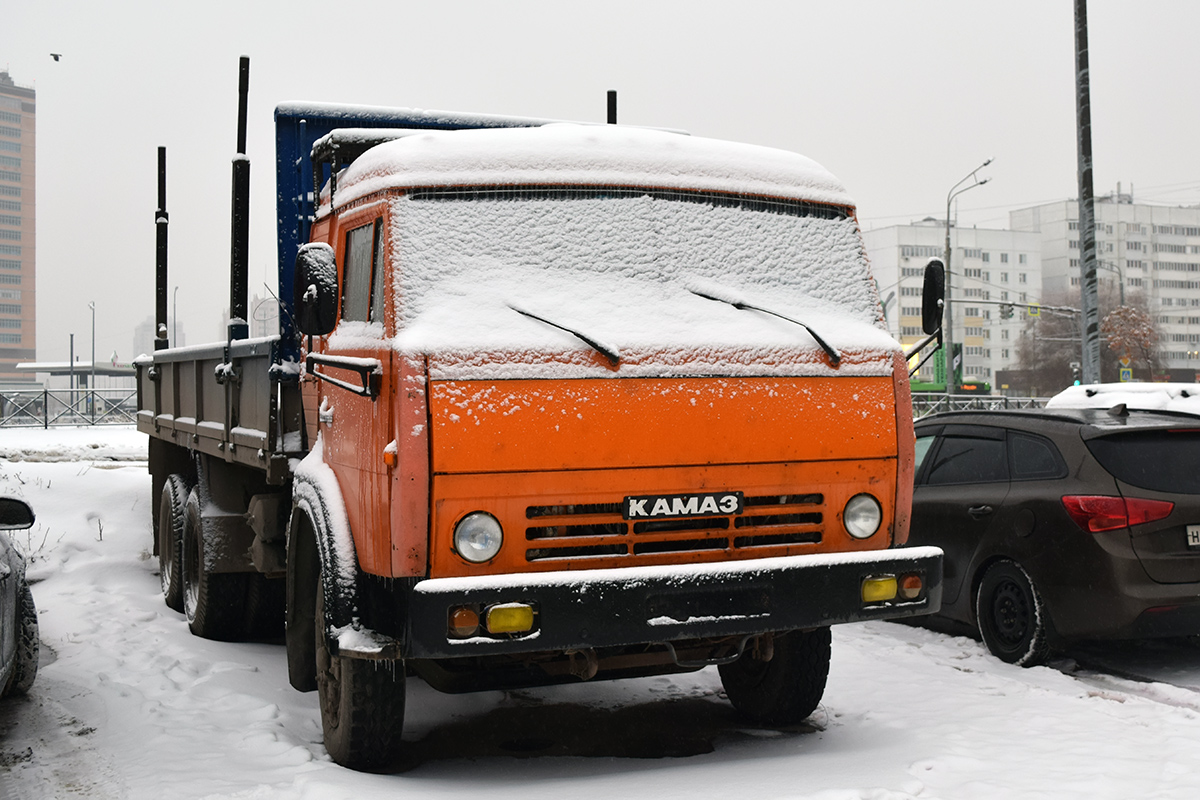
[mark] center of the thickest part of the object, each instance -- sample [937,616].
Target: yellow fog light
[879,589]
[509,618]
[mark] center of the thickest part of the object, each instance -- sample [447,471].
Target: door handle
[979,512]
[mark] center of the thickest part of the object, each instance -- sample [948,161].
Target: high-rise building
[996,276]
[18,248]
[1149,253]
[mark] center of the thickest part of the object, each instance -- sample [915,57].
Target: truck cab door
[355,372]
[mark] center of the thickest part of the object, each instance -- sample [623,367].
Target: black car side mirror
[315,289]
[933,296]
[15,514]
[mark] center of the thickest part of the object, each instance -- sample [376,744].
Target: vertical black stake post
[240,232]
[1090,318]
[612,106]
[160,262]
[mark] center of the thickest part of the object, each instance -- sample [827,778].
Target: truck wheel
[1011,616]
[171,510]
[25,662]
[362,704]
[214,603]
[785,689]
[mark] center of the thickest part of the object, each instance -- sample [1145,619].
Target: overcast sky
[898,99]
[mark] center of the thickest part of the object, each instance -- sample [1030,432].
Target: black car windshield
[1163,461]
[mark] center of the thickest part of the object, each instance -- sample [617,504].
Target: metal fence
[929,403]
[44,408]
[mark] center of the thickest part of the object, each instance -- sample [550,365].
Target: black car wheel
[1011,615]
[25,662]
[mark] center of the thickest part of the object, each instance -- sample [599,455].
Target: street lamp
[92,387]
[948,327]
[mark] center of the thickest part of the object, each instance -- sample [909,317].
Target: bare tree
[1132,333]
[1050,342]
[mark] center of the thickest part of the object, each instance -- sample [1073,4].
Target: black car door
[961,486]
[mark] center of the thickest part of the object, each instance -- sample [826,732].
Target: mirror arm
[922,345]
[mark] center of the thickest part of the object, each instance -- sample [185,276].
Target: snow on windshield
[626,269]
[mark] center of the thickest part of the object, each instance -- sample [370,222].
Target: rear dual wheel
[213,602]
[171,509]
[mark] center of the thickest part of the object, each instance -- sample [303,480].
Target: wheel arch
[318,545]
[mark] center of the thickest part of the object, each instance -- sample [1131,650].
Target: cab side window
[377,273]
[968,459]
[362,278]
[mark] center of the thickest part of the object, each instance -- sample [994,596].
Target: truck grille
[596,530]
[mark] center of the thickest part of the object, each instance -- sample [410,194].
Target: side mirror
[933,296]
[315,289]
[15,514]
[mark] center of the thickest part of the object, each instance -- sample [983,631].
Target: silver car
[18,617]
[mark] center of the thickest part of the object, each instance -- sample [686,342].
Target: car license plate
[1193,536]
[674,506]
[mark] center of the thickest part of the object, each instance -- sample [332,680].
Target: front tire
[788,687]
[172,508]
[212,602]
[362,704]
[1011,616]
[25,662]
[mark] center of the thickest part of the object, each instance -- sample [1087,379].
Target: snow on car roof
[596,155]
[1181,397]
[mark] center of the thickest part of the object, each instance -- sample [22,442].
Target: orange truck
[549,403]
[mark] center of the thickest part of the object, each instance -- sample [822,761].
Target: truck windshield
[609,241]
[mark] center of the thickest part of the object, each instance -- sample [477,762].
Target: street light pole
[92,380]
[175,318]
[948,325]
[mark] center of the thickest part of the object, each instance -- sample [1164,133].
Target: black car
[1061,525]
[18,617]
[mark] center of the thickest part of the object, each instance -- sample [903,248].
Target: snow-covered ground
[128,704]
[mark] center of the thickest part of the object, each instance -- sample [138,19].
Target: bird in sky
[56,56]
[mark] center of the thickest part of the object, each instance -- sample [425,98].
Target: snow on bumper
[637,605]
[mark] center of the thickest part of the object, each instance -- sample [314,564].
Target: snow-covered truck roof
[591,155]
[612,243]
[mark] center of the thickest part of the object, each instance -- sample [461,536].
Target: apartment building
[1141,249]
[18,245]
[994,276]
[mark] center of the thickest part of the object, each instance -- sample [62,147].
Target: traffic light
[1075,373]
[1006,311]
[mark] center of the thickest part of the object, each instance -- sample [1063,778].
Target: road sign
[1035,311]
[1124,361]
[1126,375]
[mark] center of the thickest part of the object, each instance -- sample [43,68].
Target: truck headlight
[862,516]
[477,537]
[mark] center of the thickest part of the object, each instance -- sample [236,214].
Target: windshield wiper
[611,353]
[833,354]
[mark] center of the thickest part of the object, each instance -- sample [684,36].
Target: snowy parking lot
[128,704]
